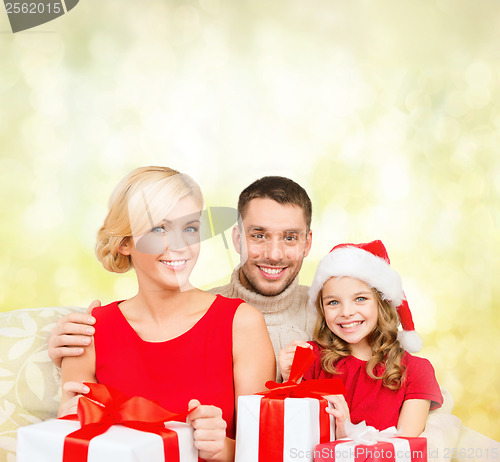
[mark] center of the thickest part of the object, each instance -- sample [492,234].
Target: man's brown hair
[280,189]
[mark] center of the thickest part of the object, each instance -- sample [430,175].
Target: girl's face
[351,312]
[164,257]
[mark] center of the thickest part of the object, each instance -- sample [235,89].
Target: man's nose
[274,250]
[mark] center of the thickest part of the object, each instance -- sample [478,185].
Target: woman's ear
[125,246]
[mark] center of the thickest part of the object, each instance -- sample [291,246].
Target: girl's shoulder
[416,366]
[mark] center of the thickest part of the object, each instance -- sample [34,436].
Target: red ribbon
[272,405]
[105,406]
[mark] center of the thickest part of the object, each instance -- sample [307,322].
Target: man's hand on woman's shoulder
[71,334]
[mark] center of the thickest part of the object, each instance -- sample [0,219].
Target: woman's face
[164,256]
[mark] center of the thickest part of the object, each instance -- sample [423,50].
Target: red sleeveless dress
[196,365]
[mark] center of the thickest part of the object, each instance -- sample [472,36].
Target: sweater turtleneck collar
[266,304]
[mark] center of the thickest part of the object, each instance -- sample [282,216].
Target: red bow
[303,359]
[272,405]
[105,406]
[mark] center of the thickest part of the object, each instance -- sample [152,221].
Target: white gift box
[301,429]
[44,442]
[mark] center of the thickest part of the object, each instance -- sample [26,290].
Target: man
[273,236]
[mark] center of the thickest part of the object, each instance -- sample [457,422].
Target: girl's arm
[76,370]
[413,416]
[253,365]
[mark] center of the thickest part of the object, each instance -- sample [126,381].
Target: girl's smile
[351,312]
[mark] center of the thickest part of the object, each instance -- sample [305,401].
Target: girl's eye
[361,299]
[333,302]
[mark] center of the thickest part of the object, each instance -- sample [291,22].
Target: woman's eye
[192,229]
[158,230]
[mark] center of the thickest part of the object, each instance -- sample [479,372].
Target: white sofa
[30,391]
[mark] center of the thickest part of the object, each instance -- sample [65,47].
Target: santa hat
[370,263]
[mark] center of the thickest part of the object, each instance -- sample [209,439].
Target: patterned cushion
[29,381]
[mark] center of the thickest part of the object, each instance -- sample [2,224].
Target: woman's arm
[254,362]
[76,370]
[413,416]
[253,365]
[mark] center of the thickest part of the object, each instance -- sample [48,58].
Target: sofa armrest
[29,381]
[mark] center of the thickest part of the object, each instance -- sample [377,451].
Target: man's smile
[271,272]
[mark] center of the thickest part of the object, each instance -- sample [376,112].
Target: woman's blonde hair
[385,363]
[142,199]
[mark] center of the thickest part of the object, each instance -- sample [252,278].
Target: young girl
[358,298]
[171,342]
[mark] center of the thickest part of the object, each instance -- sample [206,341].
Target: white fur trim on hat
[360,264]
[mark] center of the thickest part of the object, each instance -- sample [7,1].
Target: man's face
[272,245]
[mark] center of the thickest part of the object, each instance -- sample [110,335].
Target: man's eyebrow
[256,228]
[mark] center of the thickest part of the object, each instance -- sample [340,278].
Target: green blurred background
[387,112]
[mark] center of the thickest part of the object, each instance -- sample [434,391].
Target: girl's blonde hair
[141,200]
[385,363]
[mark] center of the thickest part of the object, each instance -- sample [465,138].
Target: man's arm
[72,334]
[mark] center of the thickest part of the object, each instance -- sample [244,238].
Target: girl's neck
[362,350]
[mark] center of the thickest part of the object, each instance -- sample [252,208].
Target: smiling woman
[170,342]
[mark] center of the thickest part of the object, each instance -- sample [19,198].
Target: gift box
[373,446]
[287,421]
[109,427]
[44,442]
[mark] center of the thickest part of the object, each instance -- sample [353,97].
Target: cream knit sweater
[287,316]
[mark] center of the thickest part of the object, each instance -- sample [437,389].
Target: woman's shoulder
[105,310]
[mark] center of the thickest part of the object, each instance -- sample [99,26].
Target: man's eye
[258,236]
[290,238]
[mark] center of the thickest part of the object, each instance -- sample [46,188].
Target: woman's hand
[285,357]
[340,411]
[209,431]
[73,390]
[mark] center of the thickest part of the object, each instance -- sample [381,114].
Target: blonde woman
[360,302]
[173,343]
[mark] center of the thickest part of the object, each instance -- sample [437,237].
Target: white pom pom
[410,341]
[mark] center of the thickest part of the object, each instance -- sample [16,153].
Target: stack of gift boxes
[286,423]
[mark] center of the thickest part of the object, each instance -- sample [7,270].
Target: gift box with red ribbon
[110,426]
[367,444]
[288,420]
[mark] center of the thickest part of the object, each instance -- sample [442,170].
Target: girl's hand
[74,390]
[340,411]
[209,430]
[285,357]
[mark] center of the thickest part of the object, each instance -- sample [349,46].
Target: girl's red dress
[198,364]
[369,399]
